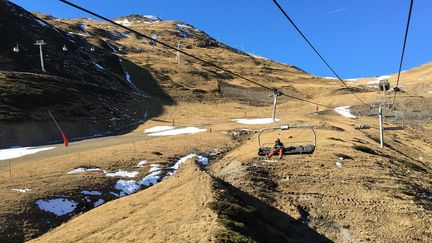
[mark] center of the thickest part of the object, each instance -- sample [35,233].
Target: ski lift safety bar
[287,127]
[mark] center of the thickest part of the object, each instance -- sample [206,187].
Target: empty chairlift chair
[266,148]
[16,49]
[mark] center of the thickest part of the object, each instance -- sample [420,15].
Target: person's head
[277,140]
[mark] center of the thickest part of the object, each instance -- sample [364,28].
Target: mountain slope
[87,91]
[191,206]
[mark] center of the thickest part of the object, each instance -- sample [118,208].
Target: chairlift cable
[403,51]
[316,51]
[189,55]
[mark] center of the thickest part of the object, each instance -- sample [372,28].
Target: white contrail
[333,12]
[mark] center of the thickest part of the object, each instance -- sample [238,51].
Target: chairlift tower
[380,115]
[153,39]
[178,52]
[276,94]
[41,43]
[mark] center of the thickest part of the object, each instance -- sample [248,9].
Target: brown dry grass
[375,197]
[172,211]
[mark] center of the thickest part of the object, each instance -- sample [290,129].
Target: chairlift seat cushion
[300,149]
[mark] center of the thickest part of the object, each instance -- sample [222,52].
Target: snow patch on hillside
[152,179]
[127,187]
[22,190]
[98,203]
[58,206]
[124,22]
[141,164]
[128,78]
[158,129]
[99,66]
[155,167]
[255,121]
[344,111]
[176,131]
[41,23]
[13,153]
[92,193]
[83,169]
[123,173]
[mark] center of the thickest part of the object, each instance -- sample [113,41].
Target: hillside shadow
[87,112]
[83,110]
[249,219]
[86,90]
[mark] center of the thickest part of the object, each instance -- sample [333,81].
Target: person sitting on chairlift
[278,147]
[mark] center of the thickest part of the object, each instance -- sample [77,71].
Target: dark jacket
[278,145]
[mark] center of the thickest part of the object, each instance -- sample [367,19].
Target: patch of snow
[152,18]
[383,77]
[98,203]
[114,194]
[202,160]
[122,173]
[373,82]
[328,78]
[82,170]
[58,206]
[22,190]
[339,164]
[127,187]
[141,164]
[80,34]
[93,193]
[119,35]
[155,167]
[258,57]
[83,27]
[178,131]
[182,160]
[255,121]
[184,26]
[158,129]
[352,79]
[344,111]
[184,30]
[99,66]
[128,77]
[152,179]
[114,51]
[13,153]
[124,22]
[41,23]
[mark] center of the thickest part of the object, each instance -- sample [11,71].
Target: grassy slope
[388,186]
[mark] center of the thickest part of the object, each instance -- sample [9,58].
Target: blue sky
[358,38]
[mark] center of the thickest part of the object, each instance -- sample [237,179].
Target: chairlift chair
[265,149]
[16,49]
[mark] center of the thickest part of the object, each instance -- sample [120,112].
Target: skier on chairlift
[278,147]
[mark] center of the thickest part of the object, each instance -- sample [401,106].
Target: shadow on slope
[248,219]
[89,93]
[82,109]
